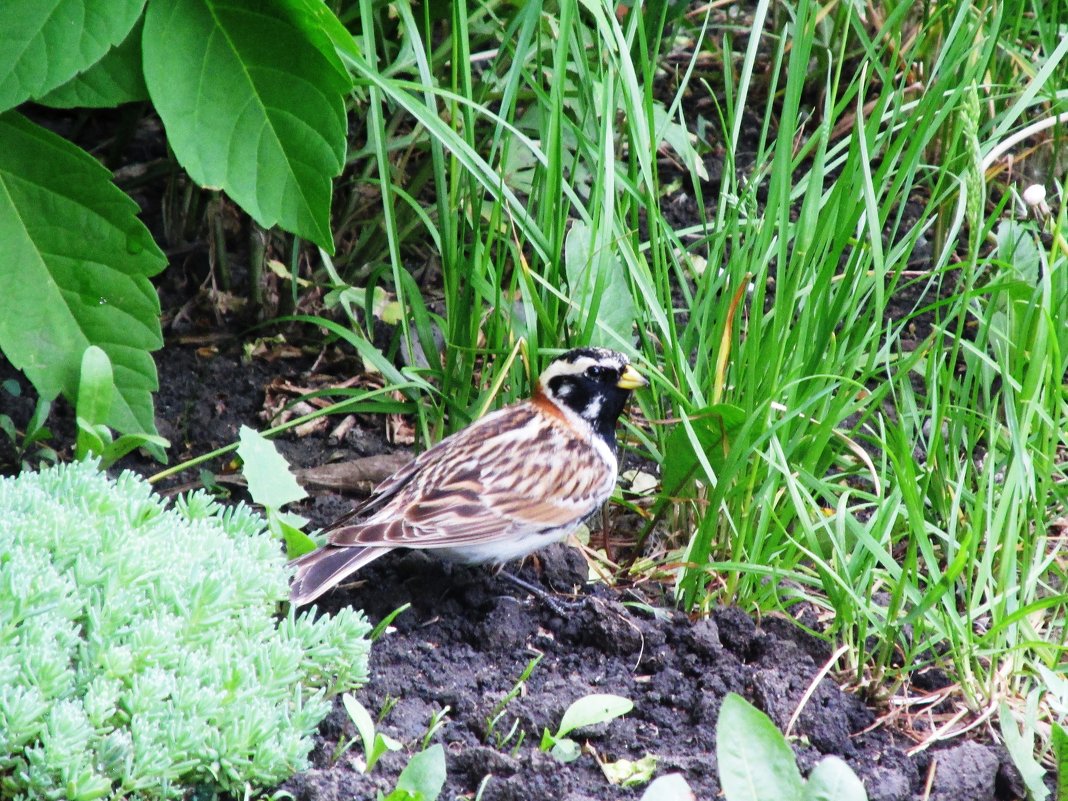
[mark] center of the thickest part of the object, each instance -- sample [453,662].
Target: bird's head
[592,383]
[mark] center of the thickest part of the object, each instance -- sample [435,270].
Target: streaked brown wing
[506,476]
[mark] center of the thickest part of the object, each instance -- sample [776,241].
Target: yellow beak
[631,379]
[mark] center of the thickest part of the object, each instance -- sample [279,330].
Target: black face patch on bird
[593,390]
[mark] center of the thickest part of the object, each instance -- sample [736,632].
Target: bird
[508,484]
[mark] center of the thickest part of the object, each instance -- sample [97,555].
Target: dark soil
[467,638]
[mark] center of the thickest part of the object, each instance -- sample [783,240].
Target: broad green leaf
[96,393]
[712,427]
[833,780]
[383,743]
[1017,247]
[375,744]
[361,719]
[45,44]
[283,525]
[153,443]
[253,100]
[680,140]
[90,439]
[291,519]
[314,15]
[593,709]
[115,79]
[670,787]
[96,386]
[519,167]
[755,761]
[565,750]
[1055,686]
[598,287]
[424,775]
[35,428]
[75,272]
[270,483]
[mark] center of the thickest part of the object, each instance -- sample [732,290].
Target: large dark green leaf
[253,100]
[75,272]
[113,80]
[755,762]
[45,44]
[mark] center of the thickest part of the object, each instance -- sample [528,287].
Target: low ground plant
[756,763]
[141,654]
[590,710]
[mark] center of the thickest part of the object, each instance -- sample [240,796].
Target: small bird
[510,483]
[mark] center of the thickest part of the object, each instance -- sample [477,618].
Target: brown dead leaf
[270,350]
[225,302]
[399,431]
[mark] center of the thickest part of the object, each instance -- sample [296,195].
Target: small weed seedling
[437,720]
[96,393]
[375,744]
[387,621]
[495,716]
[749,745]
[388,703]
[35,435]
[272,485]
[587,711]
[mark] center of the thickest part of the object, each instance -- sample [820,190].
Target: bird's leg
[556,605]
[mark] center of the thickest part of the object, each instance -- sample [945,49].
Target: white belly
[506,550]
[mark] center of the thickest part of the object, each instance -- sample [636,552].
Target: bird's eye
[599,372]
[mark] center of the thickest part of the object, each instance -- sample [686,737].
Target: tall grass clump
[524,187]
[887,401]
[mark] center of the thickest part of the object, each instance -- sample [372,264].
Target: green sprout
[375,744]
[96,395]
[587,711]
[749,745]
[422,778]
[497,714]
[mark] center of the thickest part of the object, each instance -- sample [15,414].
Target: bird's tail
[325,568]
